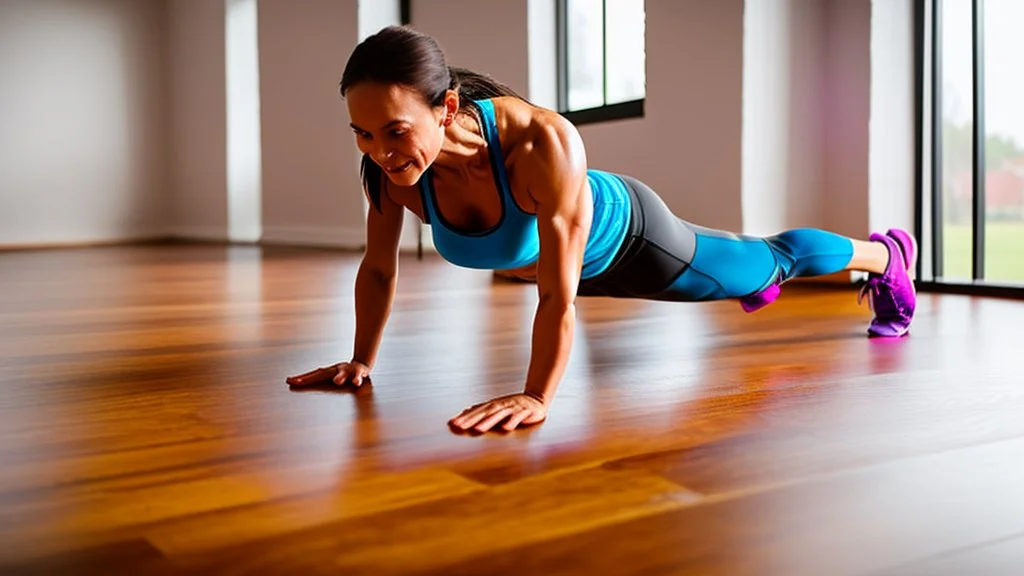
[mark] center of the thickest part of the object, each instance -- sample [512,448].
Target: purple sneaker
[892,295]
[755,302]
[908,246]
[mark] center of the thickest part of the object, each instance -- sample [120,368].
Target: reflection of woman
[505,186]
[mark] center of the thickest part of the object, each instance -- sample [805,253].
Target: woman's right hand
[340,374]
[352,372]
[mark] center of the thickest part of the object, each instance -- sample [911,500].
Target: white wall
[846,113]
[891,177]
[797,126]
[783,71]
[757,113]
[755,121]
[828,115]
[811,101]
[307,179]
[198,119]
[311,191]
[81,121]
[688,146]
[487,37]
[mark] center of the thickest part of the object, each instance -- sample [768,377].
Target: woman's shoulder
[527,130]
[520,119]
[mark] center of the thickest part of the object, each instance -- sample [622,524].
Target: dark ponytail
[401,55]
[475,86]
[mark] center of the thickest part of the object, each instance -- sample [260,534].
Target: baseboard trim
[314,236]
[203,233]
[80,244]
[292,236]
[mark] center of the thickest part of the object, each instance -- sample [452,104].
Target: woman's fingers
[517,419]
[349,374]
[317,376]
[483,417]
[492,419]
[470,417]
[343,376]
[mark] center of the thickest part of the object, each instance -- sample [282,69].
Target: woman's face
[397,129]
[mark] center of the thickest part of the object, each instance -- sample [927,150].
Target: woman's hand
[514,409]
[352,372]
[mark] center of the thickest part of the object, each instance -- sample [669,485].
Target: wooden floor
[145,428]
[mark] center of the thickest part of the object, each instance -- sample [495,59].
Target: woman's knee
[740,266]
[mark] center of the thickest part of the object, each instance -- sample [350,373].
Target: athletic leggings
[667,258]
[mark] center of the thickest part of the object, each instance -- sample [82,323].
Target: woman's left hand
[514,409]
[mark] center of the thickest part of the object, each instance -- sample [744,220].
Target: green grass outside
[1004,252]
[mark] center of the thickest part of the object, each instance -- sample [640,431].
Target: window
[601,55]
[244,148]
[970,202]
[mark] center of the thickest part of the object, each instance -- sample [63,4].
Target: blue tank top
[513,242]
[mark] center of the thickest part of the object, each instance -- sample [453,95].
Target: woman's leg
[669,258]
[751,268]
[870,257]
[889,260]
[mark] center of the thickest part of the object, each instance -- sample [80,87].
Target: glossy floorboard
[145,428]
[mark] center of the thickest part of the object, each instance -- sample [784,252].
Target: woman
[505,186]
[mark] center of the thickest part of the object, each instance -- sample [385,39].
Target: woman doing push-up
[505,186]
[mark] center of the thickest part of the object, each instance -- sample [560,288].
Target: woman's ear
[451,107]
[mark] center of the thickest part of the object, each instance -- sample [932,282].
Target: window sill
[969,288]
[618,111]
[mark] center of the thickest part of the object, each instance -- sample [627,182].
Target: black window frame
[928,47]
[606,112]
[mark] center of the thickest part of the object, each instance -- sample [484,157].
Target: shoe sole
[873,334]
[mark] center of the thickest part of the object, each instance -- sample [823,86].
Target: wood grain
[853,522]
[145,427]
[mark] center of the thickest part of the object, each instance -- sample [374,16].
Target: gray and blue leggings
[667,258]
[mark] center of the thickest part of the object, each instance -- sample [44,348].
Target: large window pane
[1004,145]
[957,138]
[625,50]
[585,54]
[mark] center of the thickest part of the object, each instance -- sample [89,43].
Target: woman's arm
[374,294]
[555,172]
[376,278]
[558,183]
